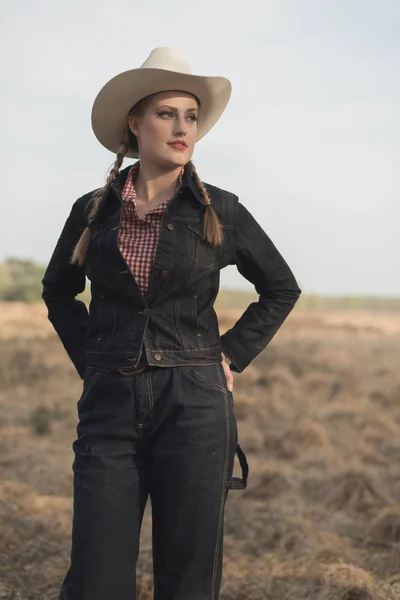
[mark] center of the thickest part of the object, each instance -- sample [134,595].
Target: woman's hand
[227,371]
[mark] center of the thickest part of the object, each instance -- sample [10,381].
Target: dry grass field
[319,419]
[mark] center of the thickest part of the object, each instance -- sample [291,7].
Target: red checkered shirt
[138,237]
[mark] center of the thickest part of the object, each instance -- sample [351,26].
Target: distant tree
[20,280]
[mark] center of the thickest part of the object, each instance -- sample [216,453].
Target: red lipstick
[178,144]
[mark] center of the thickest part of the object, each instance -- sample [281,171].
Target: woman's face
[169,117]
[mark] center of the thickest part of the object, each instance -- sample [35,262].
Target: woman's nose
[180,127]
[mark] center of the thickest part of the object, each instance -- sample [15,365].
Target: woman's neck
[154,184]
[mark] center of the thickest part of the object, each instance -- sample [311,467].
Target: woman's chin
[173,162]
[168,159]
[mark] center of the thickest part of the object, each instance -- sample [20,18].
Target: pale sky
[309,141]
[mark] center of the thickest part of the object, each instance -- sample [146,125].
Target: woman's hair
[211,227]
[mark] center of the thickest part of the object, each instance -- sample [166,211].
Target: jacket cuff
[237,365]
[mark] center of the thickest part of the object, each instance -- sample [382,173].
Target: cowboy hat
[165,69]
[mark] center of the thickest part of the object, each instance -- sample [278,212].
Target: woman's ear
[133,125]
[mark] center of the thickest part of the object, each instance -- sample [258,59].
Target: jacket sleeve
[61,283]
[258,260]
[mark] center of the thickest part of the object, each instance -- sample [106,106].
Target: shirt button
[157,356]
[170,226]
[164,273]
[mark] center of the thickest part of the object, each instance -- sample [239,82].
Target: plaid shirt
[138,237]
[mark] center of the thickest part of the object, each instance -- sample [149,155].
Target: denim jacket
[174,322]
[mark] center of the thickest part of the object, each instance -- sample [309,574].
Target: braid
[81,248]
[212,230]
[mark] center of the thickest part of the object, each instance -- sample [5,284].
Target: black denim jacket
[174,322]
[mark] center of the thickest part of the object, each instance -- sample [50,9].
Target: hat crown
[167,58]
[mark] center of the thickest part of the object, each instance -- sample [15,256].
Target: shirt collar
[187,180]
[128,192]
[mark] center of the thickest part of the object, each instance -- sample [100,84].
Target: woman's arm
[61,283]
[258,260]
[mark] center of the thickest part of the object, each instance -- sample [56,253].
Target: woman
[156,414]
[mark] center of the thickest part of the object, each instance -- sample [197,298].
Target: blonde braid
[81,247]
[212,230]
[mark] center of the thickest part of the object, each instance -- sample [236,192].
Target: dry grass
[319,419]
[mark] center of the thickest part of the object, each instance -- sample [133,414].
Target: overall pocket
[207,375]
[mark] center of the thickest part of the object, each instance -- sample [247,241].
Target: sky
[309,140]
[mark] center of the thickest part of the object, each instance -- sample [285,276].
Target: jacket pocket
[204,255]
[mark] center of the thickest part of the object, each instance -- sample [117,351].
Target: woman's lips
[178,146]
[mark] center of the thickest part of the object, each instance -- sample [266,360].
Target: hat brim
[114,101]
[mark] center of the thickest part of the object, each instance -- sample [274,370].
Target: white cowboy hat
[165,69]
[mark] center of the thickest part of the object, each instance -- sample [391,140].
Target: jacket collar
[188,182]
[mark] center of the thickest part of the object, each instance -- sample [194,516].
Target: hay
[345,574]
[347,582]
[314,401]
[386,527]
[297,440]
[279,375]
[351,489]
[243,404]
[267,483]
[352,592]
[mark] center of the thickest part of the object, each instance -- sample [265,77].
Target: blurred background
[309,143]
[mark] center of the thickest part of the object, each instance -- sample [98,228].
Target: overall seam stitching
[150,388]
[223,488]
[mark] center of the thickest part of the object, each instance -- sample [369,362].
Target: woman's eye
[169,113]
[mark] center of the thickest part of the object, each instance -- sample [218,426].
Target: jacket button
[170,226]
[164,273]
[157,356]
